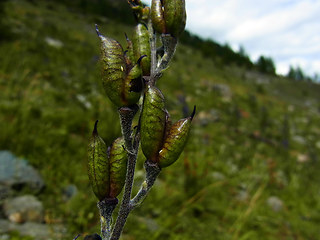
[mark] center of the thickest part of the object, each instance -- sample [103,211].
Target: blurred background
[251,169]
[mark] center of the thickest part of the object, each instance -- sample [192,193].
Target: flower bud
[153,119]
[106,166]
[141,46]
[175,141]
[168,16]
[122,81]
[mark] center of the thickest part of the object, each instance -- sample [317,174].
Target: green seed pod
[140,11]
[168,16]
[141,46]
[118,166]
[153,120]
[175,16]
[175,141]
[129,55]
[98,165]
[121,81]
[157,16]
[107,167]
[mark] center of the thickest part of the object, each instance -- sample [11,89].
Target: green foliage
[266,65]
[50,98]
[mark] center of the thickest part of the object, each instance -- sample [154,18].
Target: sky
[288,31]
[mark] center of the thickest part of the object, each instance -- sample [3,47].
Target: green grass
[50,98]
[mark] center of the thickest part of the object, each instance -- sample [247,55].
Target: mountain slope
[249,171]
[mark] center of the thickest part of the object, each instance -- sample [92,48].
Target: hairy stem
[152,172]
[106,208]
[126,116]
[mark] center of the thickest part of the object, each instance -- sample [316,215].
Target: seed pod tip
[95,129]
[140,58]
[193,112]
[98,32]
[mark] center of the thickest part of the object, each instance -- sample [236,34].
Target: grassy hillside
[255,138]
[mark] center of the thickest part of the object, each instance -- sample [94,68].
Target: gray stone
[16,173]
[223,90]
[37,230]
[69,191]
[24,209]
[6,226]
[275,203]
[206,117]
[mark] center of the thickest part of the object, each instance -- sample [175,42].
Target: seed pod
[118,166]
[157,16]
[141,12]
[153,119]
[141,46]
[129,55]
[168,16]
[175,141]
[175,16]
[98,165]
[122,83]
[107,167]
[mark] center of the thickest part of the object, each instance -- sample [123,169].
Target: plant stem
[126,116]
[152,172]
[153,46]
[106,208]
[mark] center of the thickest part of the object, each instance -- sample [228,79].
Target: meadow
[250,169]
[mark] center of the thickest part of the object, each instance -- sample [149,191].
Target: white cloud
[286,30]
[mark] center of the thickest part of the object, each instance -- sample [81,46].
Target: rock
[69,191]
[242,195]
[5,237]
[6,226]
[223,90]
[16,174]
[206,117]
[24,209]
[275,203]
[37,230]
[4,192]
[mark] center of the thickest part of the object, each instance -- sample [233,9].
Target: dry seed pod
[153,120]
[141,46]
[98,165]
[175,141]
[107,167]
[168,16]
[122,82]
